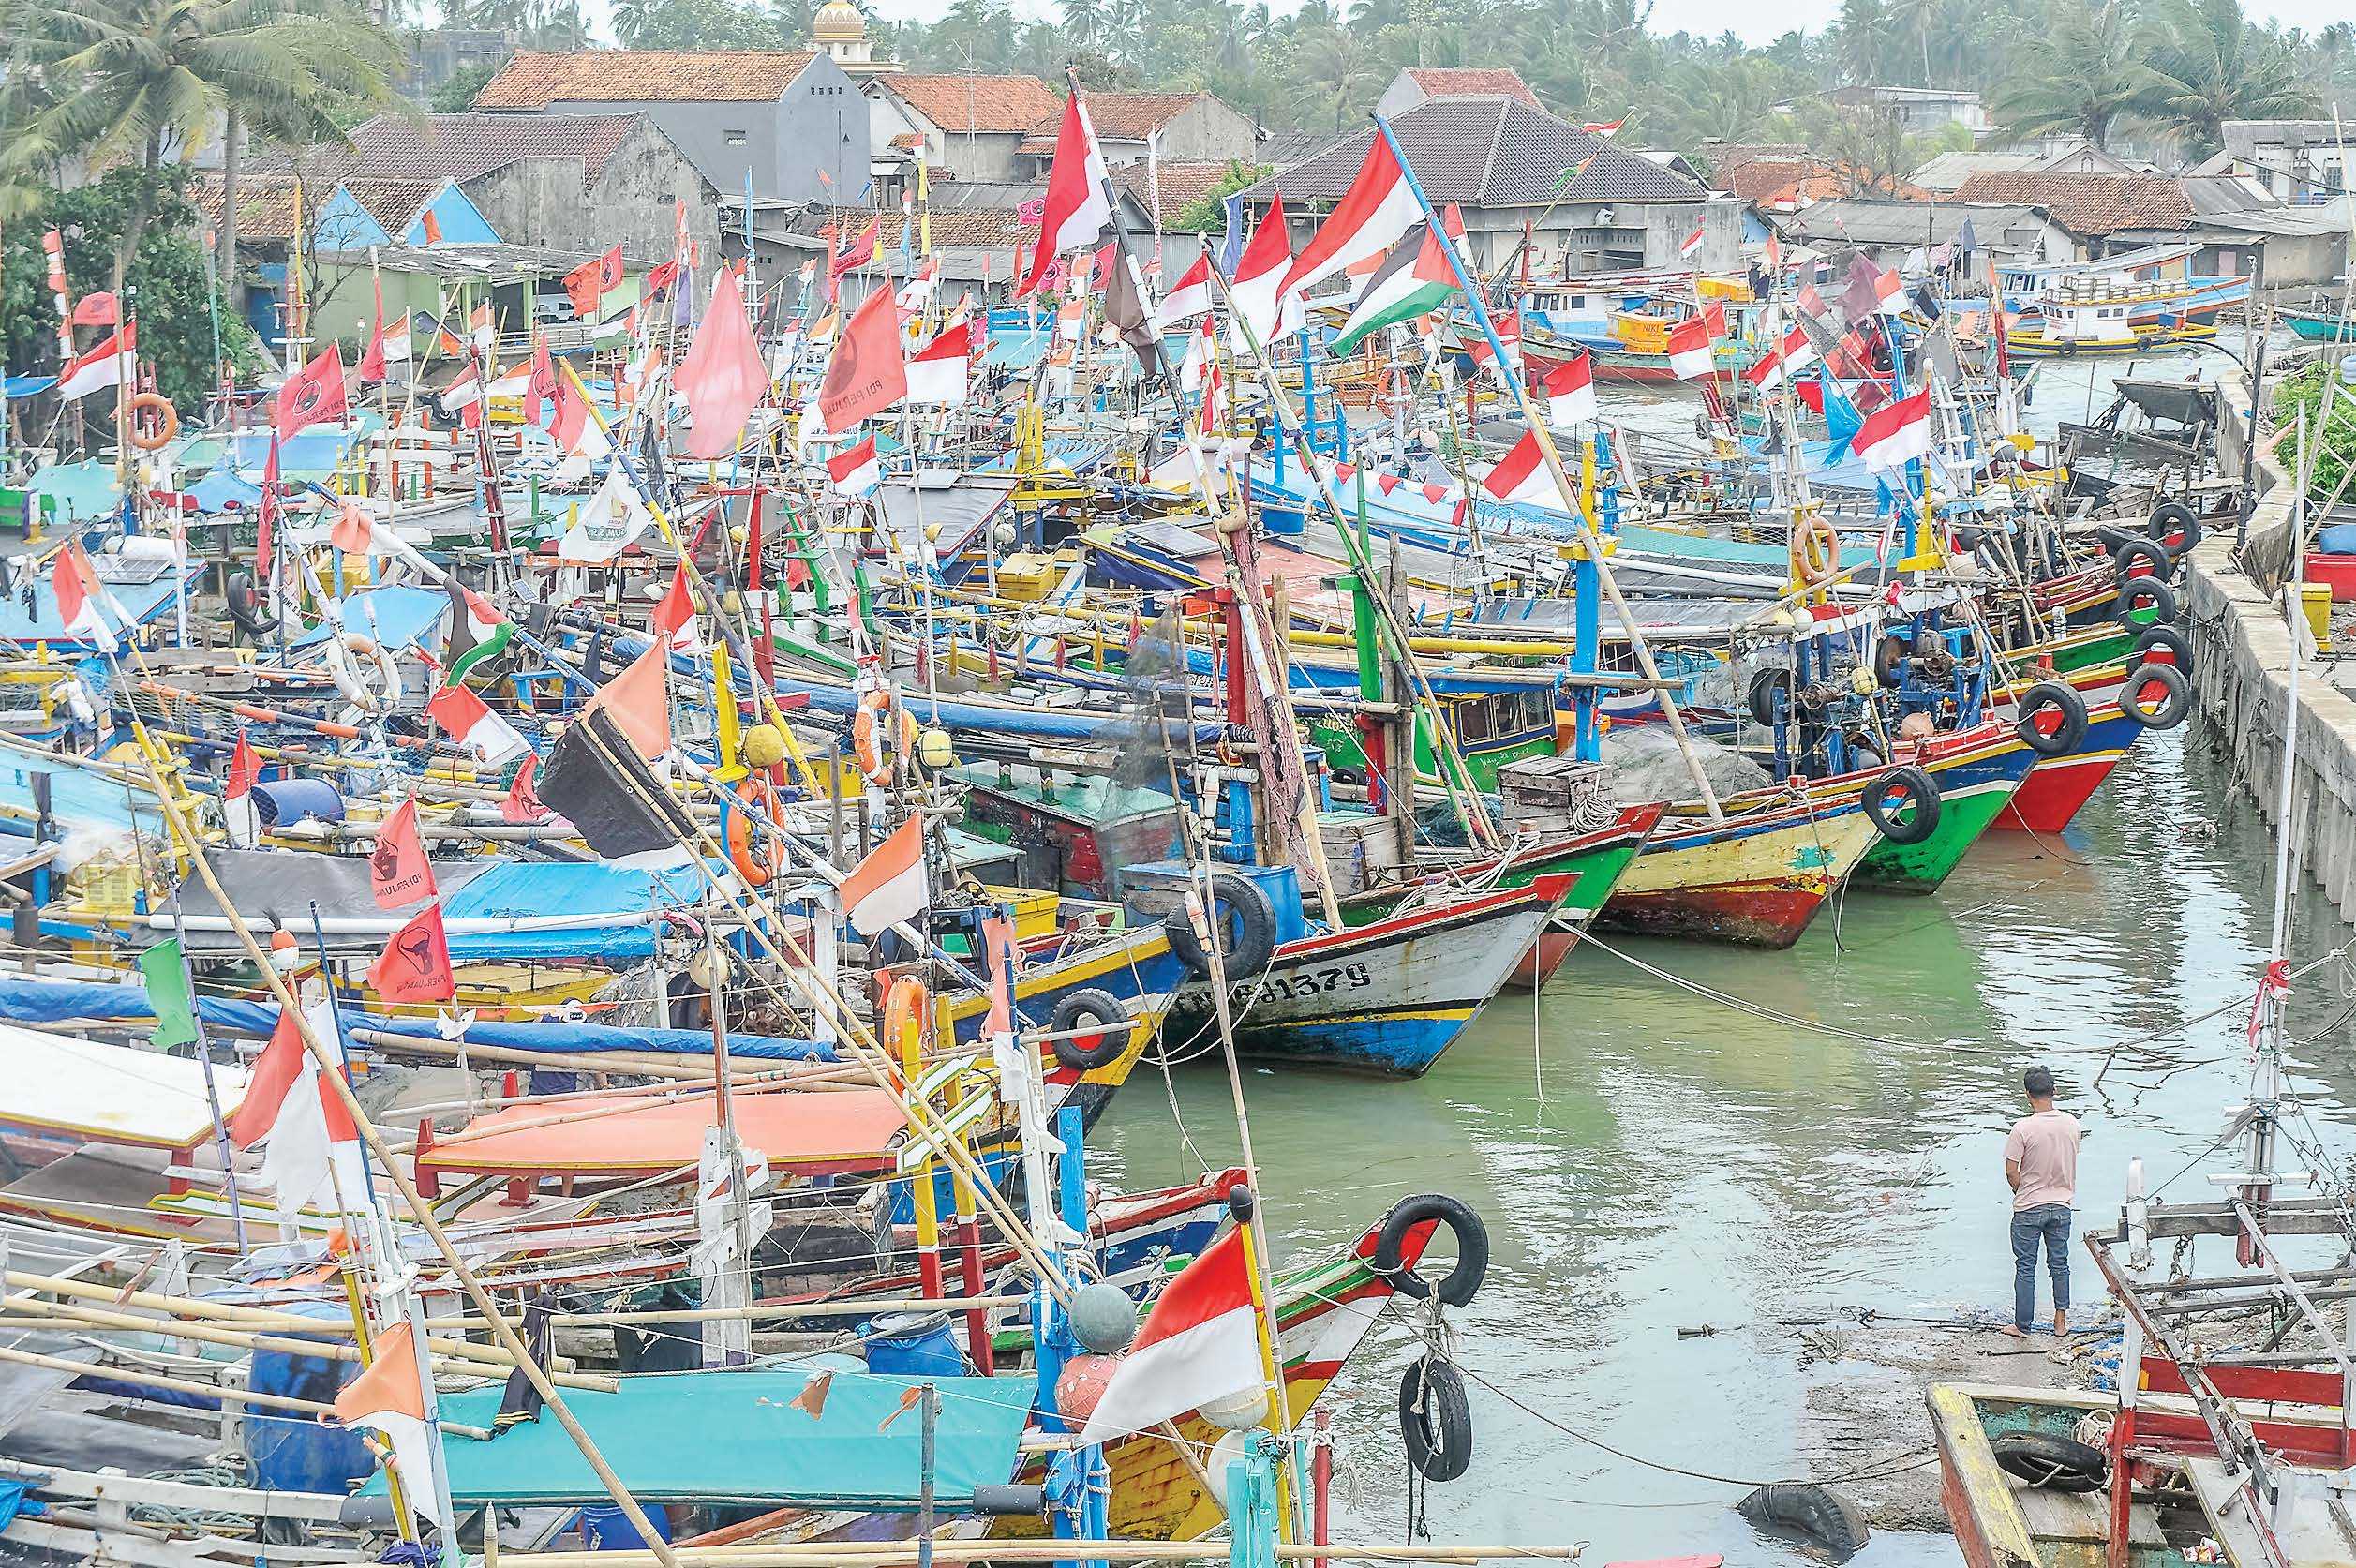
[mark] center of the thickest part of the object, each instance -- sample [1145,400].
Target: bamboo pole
[771,1309]
[190,1386]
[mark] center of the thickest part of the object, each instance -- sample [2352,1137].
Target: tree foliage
[166,283]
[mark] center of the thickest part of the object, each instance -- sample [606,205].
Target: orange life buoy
[1815,551]
[758,871]
[905,1006]
[158,407]
[867,734]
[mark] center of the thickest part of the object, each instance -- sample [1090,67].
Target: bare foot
[2015,1332]
[2060,1327]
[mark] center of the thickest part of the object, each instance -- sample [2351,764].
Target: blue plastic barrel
[607,1528]
[914,1345]
[284,802]
[291,1453]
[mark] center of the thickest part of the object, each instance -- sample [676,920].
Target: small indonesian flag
[77,606]
[1522,475]
[1794,353]
[1201,353]
[465,719]
[889,885]
[856,471]
[940,370]
[1259,297]
[107,364]
[1199,1344]
[1509,333]
[388,1397]
[463,393]
[1895,433]
[1890,294]
[1692,244]
[1076,209]
[314,1149]
[1691,356]
[1570,393]
[1191,298]
[1378,207]
[1604,128]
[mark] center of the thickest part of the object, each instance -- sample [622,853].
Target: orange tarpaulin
[810,1130]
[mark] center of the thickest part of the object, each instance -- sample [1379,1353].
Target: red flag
[637,701]
[860,252]
[398,872]
[523,797]
[867,374]
[658,279]
[677,607]
[371,367]
[312,394]
[540,391]
[591,281]
[265,531]
[351,530]
[416,963]
[245,768]
[95,310]
[1075,210]
[722,377]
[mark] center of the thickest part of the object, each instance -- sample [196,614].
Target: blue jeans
[2051,1222]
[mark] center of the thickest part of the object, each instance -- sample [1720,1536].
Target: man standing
[2041,1165]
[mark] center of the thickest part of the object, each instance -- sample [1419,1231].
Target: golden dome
[839,21]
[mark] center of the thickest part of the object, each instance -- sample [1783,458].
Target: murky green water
[1647,1159]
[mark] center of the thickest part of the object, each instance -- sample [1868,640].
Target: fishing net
[1645,766]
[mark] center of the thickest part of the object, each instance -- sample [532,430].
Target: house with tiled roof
[1422,84]
[1587,205]
[788,124]
[970,125]
[979,230]
[2230,220]
[1165,191]
[1170,127]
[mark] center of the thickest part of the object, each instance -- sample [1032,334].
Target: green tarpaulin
[747,1437]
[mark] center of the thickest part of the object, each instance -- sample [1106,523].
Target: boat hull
[1973,793]
[1388,997]
[1752,884]
[2058,787]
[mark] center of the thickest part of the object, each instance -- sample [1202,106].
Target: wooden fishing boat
[1389,996]
[1755,879]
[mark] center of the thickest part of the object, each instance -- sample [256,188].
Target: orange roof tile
[1182,185]
[1465,82]
[535,81]
[2088,204]
[984,105]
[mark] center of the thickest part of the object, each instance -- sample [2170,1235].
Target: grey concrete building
[790,120]
[970,125]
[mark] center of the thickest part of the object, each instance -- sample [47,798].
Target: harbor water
[1650,1159]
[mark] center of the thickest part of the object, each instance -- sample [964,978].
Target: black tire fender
[2171,520]
[2179,646]
[1920,791]
[1472,1247]
[2173,706]
[1089,1007]
[2048,1459]
[2137,593]
[2067,732]
[1819,1513]
[1436,1420]
[1760,696]
[1233,897]
[242,599]
[2150,553]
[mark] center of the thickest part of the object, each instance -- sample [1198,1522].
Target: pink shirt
[2046,1145]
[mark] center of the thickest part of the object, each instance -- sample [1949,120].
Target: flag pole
[1570,492]
[1243,1205]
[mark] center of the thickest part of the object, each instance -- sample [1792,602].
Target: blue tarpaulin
[223,490]
[396,616]
[35,1001]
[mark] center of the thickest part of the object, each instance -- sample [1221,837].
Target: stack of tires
[2157,693]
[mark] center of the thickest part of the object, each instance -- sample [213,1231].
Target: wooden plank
[138,1490]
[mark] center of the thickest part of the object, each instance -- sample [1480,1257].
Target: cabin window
[1472,720]
[1538,709]
[733,138]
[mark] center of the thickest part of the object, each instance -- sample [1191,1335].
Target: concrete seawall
[2241,651]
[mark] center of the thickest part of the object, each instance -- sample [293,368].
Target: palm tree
[2084,78]
[1336,64]
[2210,65]
[1083,22]
[1917,17]
[141,79]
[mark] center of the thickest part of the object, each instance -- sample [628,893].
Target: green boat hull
[1965,814]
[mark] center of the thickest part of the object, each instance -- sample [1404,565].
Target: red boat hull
[1749,917]
[1545,956]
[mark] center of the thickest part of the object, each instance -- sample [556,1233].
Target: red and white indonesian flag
[938,372]
[1258,295]
[1691,356]
[77,603]
[1199,1344]
[468,719]
[1890,294]
[1373,213]
[1794,353]
[313,1156]
[1570,393]
[1522,475]
[856,471]
[1200,352]
[1076,208]
[1191,298]
[1692,244]
[464,392]
[889,885]
[109,363]
[1895,432]
[388,1397]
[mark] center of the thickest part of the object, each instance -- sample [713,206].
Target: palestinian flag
[1413,280]
[478,633]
